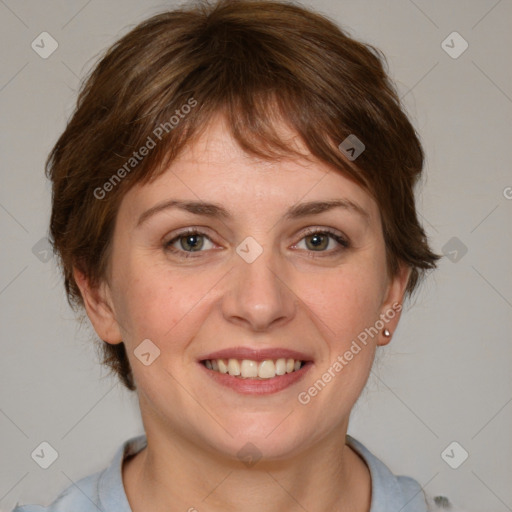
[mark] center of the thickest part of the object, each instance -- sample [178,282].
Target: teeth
[223,367]
[280,366]
[267,369]
[248,369]
[233,367]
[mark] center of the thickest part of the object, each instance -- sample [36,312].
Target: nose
[258,295]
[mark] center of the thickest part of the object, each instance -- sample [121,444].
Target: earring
[386,333]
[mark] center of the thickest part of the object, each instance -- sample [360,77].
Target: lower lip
[258,386]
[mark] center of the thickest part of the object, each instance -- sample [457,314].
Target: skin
[214,300]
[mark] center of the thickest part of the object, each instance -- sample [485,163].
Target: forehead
[214,168]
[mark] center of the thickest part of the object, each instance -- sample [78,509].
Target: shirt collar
[387,494]
[110,486]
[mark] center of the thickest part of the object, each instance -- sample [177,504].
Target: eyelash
[344,243]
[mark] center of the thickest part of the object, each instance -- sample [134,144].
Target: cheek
[158,303]
[142,298]
[346,302]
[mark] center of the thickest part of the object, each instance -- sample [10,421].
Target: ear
[99,308]
[392,305]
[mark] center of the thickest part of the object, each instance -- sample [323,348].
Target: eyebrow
[218,211]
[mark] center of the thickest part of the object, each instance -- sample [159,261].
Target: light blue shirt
[103,491]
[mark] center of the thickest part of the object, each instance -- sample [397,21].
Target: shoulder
[29,508]
[102,490]
[391,492]
[79,497]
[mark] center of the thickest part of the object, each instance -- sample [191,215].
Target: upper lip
[256,354]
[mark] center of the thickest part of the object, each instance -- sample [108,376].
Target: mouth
[251,371]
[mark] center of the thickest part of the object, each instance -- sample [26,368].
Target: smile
[256,370]
[250,369]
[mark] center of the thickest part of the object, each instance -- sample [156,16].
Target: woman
[233,206]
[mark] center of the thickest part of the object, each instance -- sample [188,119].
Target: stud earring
[386,333]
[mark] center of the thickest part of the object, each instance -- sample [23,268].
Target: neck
[171,474]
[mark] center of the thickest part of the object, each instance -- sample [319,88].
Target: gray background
[446,375]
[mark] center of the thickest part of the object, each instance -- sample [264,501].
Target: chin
[263,436]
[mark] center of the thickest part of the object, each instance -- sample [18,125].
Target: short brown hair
[258,63]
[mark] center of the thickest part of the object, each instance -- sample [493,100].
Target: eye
[316,241]
[320,240]
[189,241]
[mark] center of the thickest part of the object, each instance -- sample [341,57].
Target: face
[226,263]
